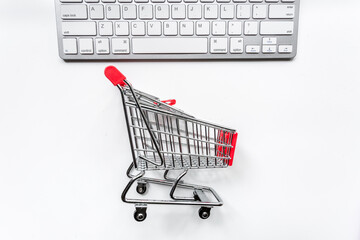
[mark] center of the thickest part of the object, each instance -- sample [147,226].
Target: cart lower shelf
[199,197]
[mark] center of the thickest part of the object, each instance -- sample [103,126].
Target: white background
[64,149]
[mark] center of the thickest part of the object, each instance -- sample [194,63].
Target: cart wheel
[204,212]
[141,188]
[140,215]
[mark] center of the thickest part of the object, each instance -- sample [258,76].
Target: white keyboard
[177,29]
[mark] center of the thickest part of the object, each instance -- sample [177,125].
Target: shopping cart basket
[163,137]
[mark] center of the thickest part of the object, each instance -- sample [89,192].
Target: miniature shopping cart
[163,137]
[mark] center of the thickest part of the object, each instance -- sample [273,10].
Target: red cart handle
[170,102]
[115,76]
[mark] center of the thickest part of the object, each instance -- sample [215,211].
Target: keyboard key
[129,11]
[105,28]
[154,28]
[145,11]
[234,28]
[285,49]
[251,28]
[74,11]
[252,49]
[170,28]
[211,11]
[269,49]
[70,46]
[113,11]
[277,28]
[194,11]
[79,28]
[281,11]
[169,45]
[186,28]
[227,11]
[218,45]
[178,11]
[122,28]
[259,11]
[96,11]
[236,45]
[218,28]
[86,46]
[243,11]
[138,28]
[162,11]
[120,46]
[269,41]
[202,28]
[102,46]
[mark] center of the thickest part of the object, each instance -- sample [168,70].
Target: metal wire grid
[184,141]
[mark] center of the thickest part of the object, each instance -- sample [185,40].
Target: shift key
[276,28]
[79,28]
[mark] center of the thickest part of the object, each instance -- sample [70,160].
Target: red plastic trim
[232,151]
[170,102]
[115,76]
[224,137]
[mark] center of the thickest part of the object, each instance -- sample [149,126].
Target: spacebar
[169,45]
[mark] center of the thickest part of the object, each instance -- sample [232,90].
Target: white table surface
[64,149]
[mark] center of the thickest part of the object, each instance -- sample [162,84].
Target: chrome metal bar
[128,126]
[153,138]
[132,180]
[173,188]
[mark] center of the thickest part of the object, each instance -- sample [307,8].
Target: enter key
[282,11]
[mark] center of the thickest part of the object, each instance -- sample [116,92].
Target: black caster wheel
[204,212]
[141,188]
[140,214]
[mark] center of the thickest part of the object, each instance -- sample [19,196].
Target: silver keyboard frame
[248,40]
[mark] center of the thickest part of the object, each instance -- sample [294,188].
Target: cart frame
[199,197]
